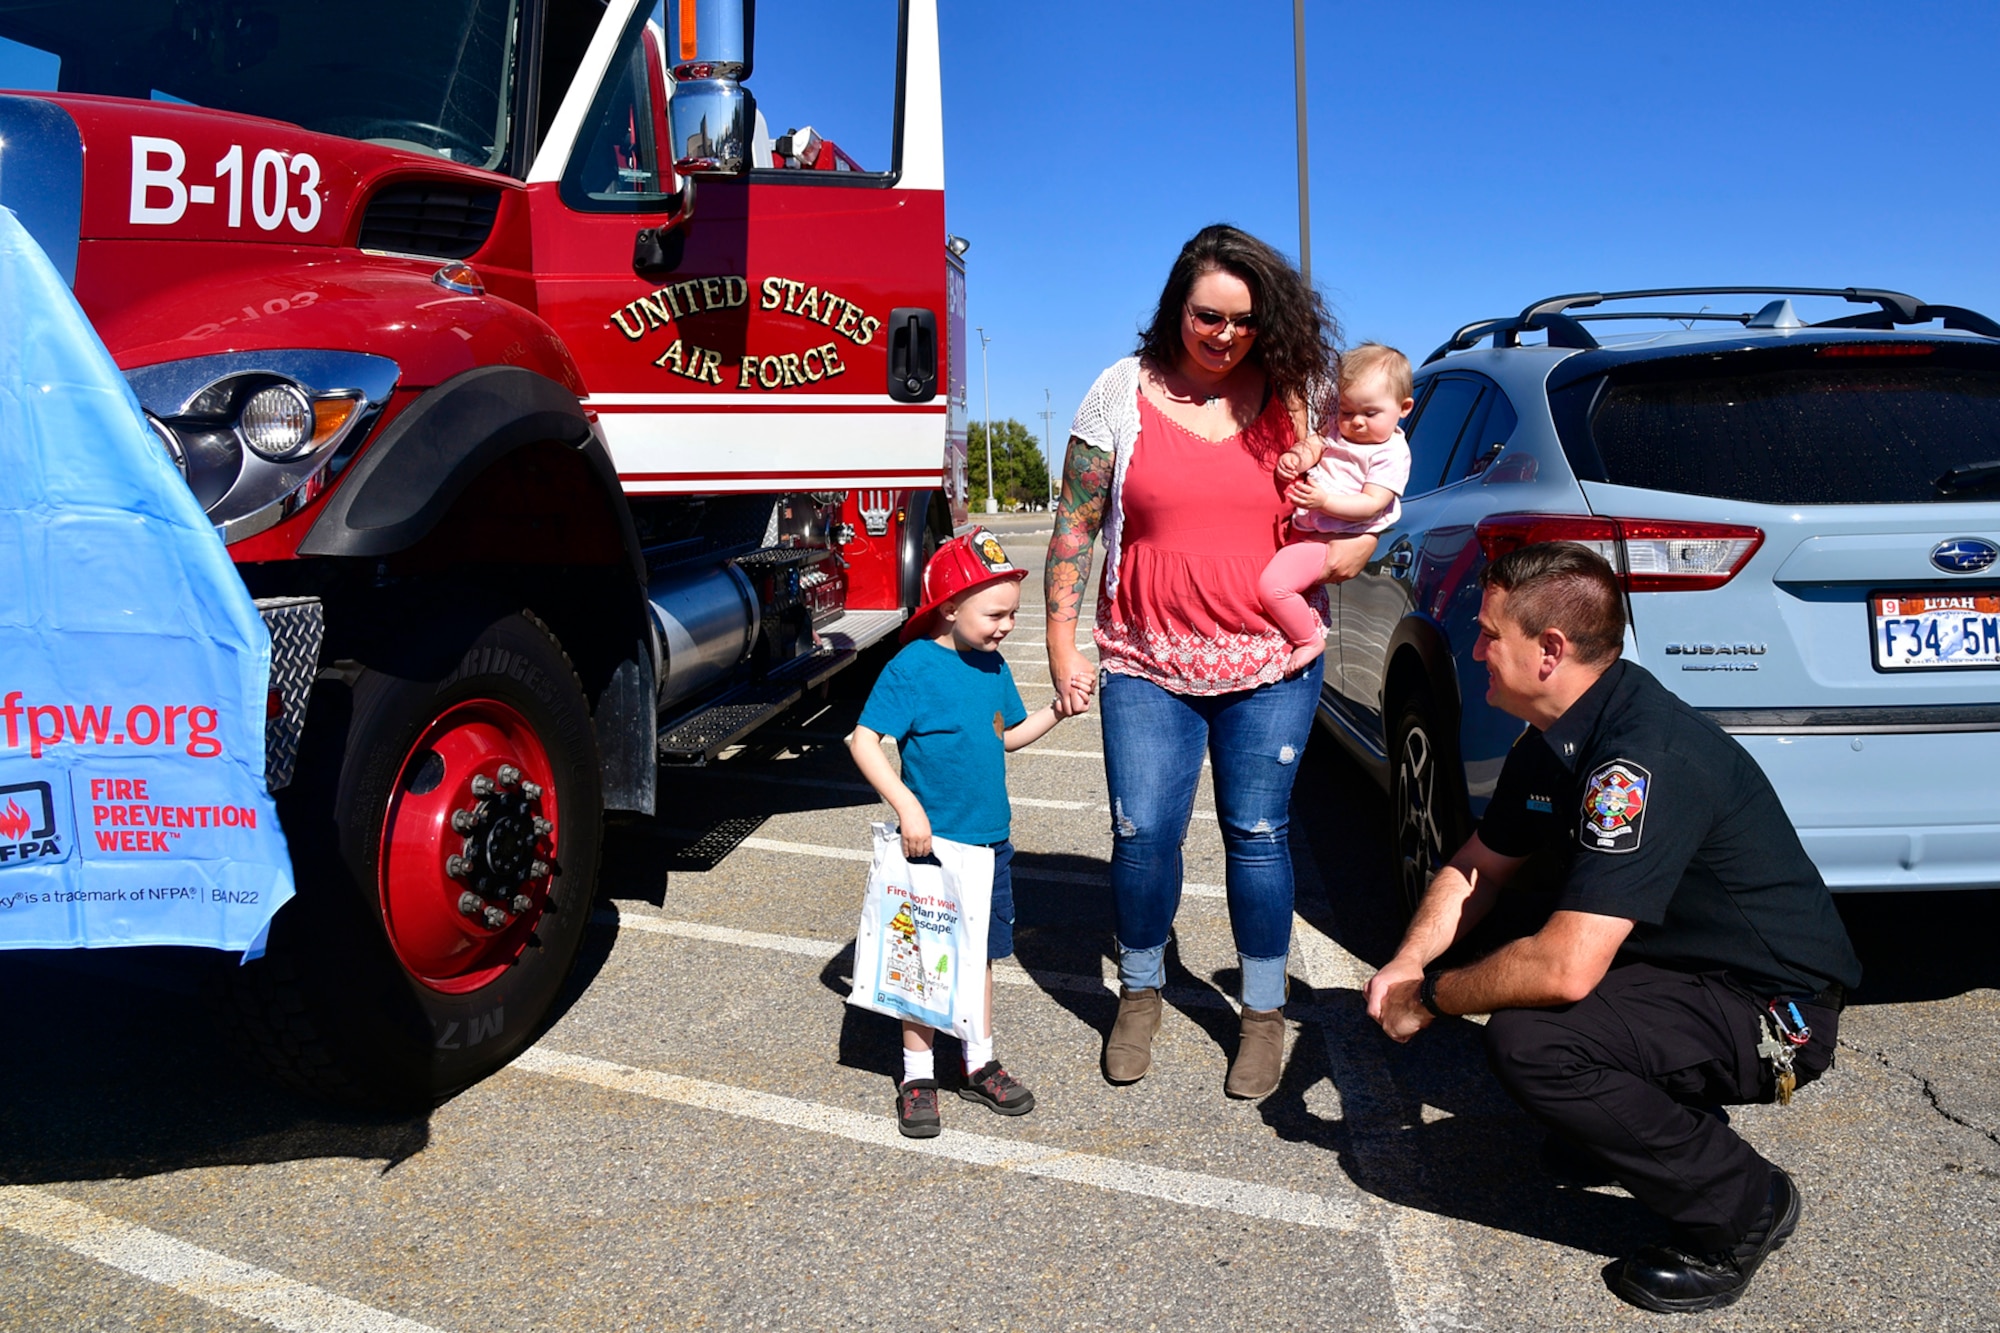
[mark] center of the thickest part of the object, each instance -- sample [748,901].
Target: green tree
[1020,475]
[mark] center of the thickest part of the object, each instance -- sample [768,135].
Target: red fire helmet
[960,565]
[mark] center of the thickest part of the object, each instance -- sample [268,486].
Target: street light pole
[986,374]
[1299,92]
[1048,459]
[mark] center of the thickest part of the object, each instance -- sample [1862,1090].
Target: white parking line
[1189,888]
[1006,971]
[1268,1202]
[1416,1246]
[834,784]
[1047,752]
[229,1284]
[696,930]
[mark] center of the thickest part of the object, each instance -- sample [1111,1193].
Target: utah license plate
[1927,630]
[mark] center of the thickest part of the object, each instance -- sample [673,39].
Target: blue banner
[134,667]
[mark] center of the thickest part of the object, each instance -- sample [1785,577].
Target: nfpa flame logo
[14,822]
[28,824]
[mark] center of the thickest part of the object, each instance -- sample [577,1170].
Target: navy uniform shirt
[1673,826]
[948,713]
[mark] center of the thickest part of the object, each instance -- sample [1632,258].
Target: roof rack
[1567,330]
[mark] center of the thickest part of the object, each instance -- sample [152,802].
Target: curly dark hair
[1296,334]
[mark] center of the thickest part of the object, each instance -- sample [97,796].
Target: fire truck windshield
[436,76]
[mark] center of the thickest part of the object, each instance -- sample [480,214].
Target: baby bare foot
[1303,655]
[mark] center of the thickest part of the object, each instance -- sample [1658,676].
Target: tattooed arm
[1086,488]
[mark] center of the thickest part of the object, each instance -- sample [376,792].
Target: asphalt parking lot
[703,1137]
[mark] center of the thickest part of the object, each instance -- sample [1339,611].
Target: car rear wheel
[445,832]
[1428,791]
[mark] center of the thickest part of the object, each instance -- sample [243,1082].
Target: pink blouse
[1201,520]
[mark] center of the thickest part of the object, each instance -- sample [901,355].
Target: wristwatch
[1427,995]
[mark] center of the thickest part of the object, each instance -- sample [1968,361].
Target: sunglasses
[1210,321]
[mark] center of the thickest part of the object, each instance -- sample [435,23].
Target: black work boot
[1673,1281]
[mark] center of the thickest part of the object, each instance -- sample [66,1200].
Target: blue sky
[1466,158]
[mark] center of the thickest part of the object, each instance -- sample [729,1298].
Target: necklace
[1190,396]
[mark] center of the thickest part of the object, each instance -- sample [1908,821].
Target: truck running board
[696,737]
[858,629]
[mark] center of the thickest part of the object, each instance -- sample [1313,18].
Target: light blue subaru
[1806,518]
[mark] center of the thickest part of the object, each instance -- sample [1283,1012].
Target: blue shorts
[1000,929]
[1000,926]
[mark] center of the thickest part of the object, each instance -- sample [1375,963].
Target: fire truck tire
[416,958]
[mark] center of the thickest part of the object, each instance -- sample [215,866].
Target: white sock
[919,1064]
[978,1054]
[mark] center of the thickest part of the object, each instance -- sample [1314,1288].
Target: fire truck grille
[431,218]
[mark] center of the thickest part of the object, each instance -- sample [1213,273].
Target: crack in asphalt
[1929,1090]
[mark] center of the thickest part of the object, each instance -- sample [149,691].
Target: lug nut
[509,775]
[543,827]
[495,917]
[522,902]
[482,785]
[457,867]
[468,903]
[532,790]
[464,821]
[537,869]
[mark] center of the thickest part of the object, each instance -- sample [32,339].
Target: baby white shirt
[1345,468]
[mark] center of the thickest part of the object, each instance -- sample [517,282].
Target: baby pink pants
[1281,587]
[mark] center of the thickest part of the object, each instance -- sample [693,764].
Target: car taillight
[1875,349]
[1649,554]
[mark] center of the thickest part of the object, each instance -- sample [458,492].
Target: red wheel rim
[438,921]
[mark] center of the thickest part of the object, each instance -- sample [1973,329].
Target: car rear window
[1864,424]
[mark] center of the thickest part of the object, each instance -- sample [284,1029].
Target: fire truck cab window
[615,164]
[446,90]
[825,87]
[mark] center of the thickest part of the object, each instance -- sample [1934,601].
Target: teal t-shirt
[946,711]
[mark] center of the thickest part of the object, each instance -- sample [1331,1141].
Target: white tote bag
[921,950]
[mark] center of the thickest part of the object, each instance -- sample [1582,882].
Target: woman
[1174,455]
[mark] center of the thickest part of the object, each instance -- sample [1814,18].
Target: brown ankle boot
[1128,1052]
[1260,1054]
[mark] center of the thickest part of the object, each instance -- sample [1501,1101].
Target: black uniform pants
[1626,1074]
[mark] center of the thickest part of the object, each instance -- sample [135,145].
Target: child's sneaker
[998,1089]
[917,1109]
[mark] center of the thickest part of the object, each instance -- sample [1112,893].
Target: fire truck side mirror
[712,116]
[912,354]
[658,250]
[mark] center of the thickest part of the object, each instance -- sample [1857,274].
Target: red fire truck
[566,421]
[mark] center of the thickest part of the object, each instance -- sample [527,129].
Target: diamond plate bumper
[296,625]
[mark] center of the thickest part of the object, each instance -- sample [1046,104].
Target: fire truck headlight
[171,443]
[254,433]
[277,421]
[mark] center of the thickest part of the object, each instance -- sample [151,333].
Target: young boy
[949,702]
[1353,490]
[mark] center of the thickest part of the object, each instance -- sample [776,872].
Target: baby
[1353,490]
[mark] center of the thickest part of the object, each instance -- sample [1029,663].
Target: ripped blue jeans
[1154,741]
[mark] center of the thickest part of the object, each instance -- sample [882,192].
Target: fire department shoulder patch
[1614,807]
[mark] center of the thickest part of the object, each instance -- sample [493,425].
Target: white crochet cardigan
[1108,418]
